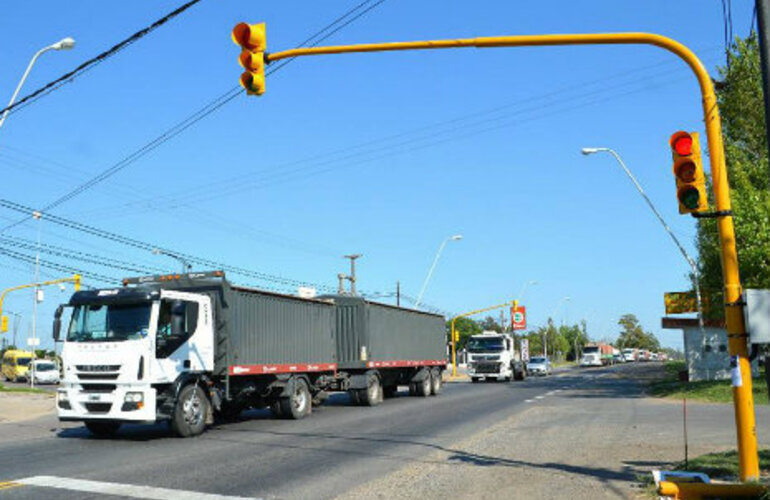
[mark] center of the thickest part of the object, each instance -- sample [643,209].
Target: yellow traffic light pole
[74,279]
[465,315]
[736,329]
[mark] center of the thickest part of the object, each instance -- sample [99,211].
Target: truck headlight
[133,401]
[134,397]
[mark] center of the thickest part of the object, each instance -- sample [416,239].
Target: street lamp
[456,237]
[690,260]
[63,44]
[185,265]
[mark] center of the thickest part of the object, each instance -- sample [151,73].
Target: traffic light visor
[252,61]
[681,143]
[254,83]
[250,36]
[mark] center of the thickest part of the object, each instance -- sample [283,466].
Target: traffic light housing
[253,42]
[4,324]
[688,171]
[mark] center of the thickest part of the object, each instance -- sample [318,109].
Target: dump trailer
[191,348]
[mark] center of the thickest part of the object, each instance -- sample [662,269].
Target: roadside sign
[680,302]
[33,342]
[525,350]
[519,318]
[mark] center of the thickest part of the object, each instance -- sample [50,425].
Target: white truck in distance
[491,355]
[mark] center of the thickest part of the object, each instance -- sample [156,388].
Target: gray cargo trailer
[187,348]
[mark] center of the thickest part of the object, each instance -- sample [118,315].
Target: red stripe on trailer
[401,364]
[291,368]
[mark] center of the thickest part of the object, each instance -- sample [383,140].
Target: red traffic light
[681,143]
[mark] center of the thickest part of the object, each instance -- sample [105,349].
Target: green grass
[722,465]
[27,390]
[717,391]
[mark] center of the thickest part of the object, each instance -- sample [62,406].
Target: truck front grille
[487,367]
[97,376]
[98,407]
[100,388]
[98,368]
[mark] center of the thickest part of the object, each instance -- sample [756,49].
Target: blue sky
[380,154]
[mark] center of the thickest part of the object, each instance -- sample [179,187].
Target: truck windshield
[590,350]
[494,344]
[109,323]
[23,361]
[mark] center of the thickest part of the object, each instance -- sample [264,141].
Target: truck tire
[105,428]
[298,404]
[422,388]
[353,395]
[190,411]
[275,409]
[372,395]
[436,383]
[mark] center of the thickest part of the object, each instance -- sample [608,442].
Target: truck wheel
[104,428]
[275,408]
[353,395]
[299,403]
[422,388]
[372,395]
[436,383]
[190,412]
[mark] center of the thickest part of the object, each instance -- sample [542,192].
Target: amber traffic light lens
[686,171]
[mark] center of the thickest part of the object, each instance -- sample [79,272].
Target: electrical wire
[89,64]
[192,119]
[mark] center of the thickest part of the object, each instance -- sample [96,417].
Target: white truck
[492,356]
[186,349]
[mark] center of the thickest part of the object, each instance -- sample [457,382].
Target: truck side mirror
[57,323]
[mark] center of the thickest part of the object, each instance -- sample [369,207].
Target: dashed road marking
[539,397]
[126,490]
[529,400]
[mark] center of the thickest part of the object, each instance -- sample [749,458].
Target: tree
[491,325]
[634,336]
[739,95]
[465,327]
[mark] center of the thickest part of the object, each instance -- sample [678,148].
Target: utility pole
[352,277]
[398,294]
[763,25]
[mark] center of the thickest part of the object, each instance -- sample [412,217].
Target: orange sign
[519,318]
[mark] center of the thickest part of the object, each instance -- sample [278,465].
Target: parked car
[43,371]
[539,366]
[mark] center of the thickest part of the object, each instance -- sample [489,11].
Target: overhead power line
[350,16]
[149,247]
[89,64]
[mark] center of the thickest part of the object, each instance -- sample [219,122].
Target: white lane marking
[529,400]
[126,490]
[539,397]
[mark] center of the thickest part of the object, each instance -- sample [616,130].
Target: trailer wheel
[353,395]
[105,428]
[422,388]
[192,407]
[299,402]
[275,408]
[372,395]
[435,382]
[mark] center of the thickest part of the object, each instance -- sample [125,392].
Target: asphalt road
[338,448]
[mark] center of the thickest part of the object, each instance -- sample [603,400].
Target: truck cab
[492,356]
[127,352]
